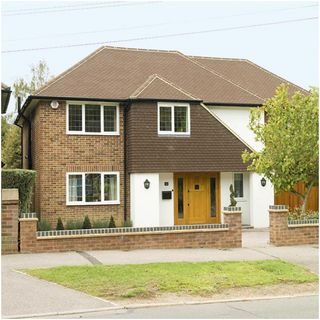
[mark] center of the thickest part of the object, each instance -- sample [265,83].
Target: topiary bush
[112,224]
[44,225]
[127,223]
[20,179]
[59,224]
[86,223]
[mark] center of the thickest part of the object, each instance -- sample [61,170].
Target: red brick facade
[54,153]
[9,221]
[209,238]
[282,234]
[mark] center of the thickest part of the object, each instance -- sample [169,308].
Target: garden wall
[296,232]
[9,221]
[227,235]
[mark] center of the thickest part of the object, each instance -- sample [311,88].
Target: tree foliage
[290,138]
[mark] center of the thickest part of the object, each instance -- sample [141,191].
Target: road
[285,308]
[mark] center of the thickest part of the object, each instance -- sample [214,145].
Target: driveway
[24,295]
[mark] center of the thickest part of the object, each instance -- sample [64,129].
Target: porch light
[263,182]
[147,184]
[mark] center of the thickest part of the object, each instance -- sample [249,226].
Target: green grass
[147,280]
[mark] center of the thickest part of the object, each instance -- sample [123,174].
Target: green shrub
[297,214]
[100,224]
[44,225]
[86,223]
[59,224]
[23,180]
[73,224]
[127,223]
[112,224]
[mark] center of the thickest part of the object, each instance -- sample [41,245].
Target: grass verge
[149,280]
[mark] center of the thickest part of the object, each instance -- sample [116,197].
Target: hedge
[20,179]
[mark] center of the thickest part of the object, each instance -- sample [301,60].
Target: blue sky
[289,50]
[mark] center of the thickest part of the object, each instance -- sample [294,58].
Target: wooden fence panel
[294,201]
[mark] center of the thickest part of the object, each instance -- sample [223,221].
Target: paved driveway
[24,295]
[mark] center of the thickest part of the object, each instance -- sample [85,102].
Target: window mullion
[102,187]
[83,187]
[83,119]
[102,118]
[172,120]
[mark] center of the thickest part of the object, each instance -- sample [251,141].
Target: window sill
[93,203]
[175,135]
[93,133]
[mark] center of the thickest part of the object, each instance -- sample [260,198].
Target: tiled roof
[122,73]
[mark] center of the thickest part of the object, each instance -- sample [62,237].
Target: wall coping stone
[10,194]
[304,222]
[231,209]
[133,230]
[29,215]
[278,207]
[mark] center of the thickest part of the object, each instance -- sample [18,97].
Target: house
[148,135]
[5,97]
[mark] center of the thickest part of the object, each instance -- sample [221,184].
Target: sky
[289,50]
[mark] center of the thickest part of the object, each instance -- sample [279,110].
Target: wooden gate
[294,201]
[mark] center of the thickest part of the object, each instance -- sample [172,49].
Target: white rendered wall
[237,119]
[144,202]
[261,198]
[226,178]
[166,207]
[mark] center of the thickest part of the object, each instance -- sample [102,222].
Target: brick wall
[9,221]
[205,238]
[54,153]
[282,234]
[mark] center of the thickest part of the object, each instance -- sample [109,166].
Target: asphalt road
[284,308]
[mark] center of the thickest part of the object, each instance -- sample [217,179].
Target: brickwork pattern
[54,153]
[281,234]
[9,224]
[210,238]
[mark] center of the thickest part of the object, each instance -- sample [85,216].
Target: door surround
[193,199]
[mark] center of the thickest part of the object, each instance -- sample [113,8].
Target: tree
[290,138]
[11,134]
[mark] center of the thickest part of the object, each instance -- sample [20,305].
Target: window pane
[238,185]
[180,198]
[75,117]
[93,187]
[75,187]
[93,123]
[213,197]
[110,187]
[180,119]
[110,119]
[165,119]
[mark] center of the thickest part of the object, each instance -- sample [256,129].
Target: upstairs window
[96,119]
[174,118]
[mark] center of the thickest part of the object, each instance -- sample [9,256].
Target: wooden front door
[197,198]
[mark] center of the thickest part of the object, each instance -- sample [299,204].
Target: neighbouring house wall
[209,148]
[9,220]
[226,178]
[261,198]
[55,153]
[283,234]
[25,145]
[237,118]
[144,202]
[166,206]
[228,236]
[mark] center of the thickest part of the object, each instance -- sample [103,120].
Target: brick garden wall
[284,234]
[9,221]
[228,237]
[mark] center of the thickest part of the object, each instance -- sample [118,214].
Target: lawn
[149,280]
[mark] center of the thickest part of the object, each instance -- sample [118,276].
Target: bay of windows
[92,119]
[93,188]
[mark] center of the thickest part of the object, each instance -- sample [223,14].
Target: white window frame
[102,105]
[172,105]
[243,198]
[83,202]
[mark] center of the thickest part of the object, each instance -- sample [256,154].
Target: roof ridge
[218,58]
[140,49]
[69,70]
[150,79]
[222,77]
[273,74]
